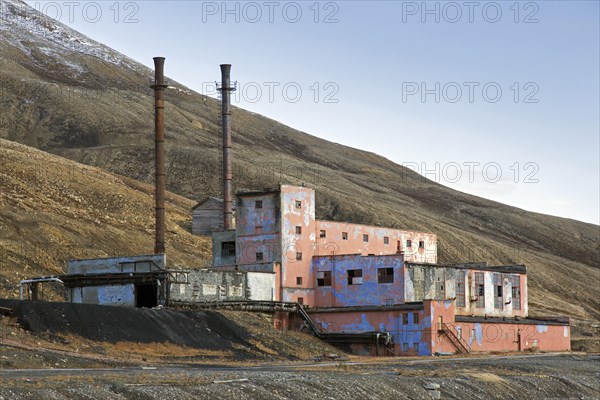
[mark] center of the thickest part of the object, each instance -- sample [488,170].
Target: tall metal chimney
[226,90]
[159,152]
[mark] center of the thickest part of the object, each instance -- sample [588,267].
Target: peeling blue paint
[478,334]
[370,291]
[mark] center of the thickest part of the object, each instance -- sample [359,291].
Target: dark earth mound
[202,329]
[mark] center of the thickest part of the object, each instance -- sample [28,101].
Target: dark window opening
[498,292]
[298,204]
[354,276]
[258,204]
[298,255]
[398,246]
[416,347]
[344,235]
[405,319]
[259,256]
[480,290]
[460,290]
[324,278]
[227,249]
[298,280]
[409,243]
[516,292]
[300,300]
[322,234]
[298,230]
[146,295]
[415,318]
[258,230]
[421,244]
[386,240]
[385,275]
[365,238]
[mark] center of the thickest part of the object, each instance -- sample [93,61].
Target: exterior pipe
[159,153]
[226,90]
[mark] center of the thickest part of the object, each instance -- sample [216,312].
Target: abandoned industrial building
[376,290]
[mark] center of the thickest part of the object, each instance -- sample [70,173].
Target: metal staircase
[459,344]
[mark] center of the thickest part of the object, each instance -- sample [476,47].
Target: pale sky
[497,99]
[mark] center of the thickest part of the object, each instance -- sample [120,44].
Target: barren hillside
[53,209]
[68,95]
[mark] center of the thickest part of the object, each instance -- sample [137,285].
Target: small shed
[207,216]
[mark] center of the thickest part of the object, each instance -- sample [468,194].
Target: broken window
[385,275]
[460,289]
[355,277]
[386,240]
[421,244]
[344,235]
[439,289]
[498,291]
[259,256]
[322,234]
[405,319]
[415,318]
[324,278]
[409,243]
[298,255]
[258,204]
[298,280]
[298,204]
[516,292]
[298,230]
[480,290]
[365,238]
[227,249]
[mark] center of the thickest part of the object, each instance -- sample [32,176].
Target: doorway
[146,295]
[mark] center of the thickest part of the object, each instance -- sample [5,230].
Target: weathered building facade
[207,216]
[358,278]
[135,281]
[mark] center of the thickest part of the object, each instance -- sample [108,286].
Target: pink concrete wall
[293,243]
[493,336]
[334,243]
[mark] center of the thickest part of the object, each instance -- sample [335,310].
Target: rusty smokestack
[226,90]
[159,152]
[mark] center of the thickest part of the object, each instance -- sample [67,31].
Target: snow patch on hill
[18,22]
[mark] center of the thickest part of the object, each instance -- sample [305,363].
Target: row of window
[260,256]
[386,239]
[355,276]
[259,204]
[415,346]
[498,291]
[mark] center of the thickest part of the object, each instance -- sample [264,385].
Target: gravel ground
[566,376]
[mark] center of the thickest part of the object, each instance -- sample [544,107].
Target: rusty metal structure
[159,87]
[226,90]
